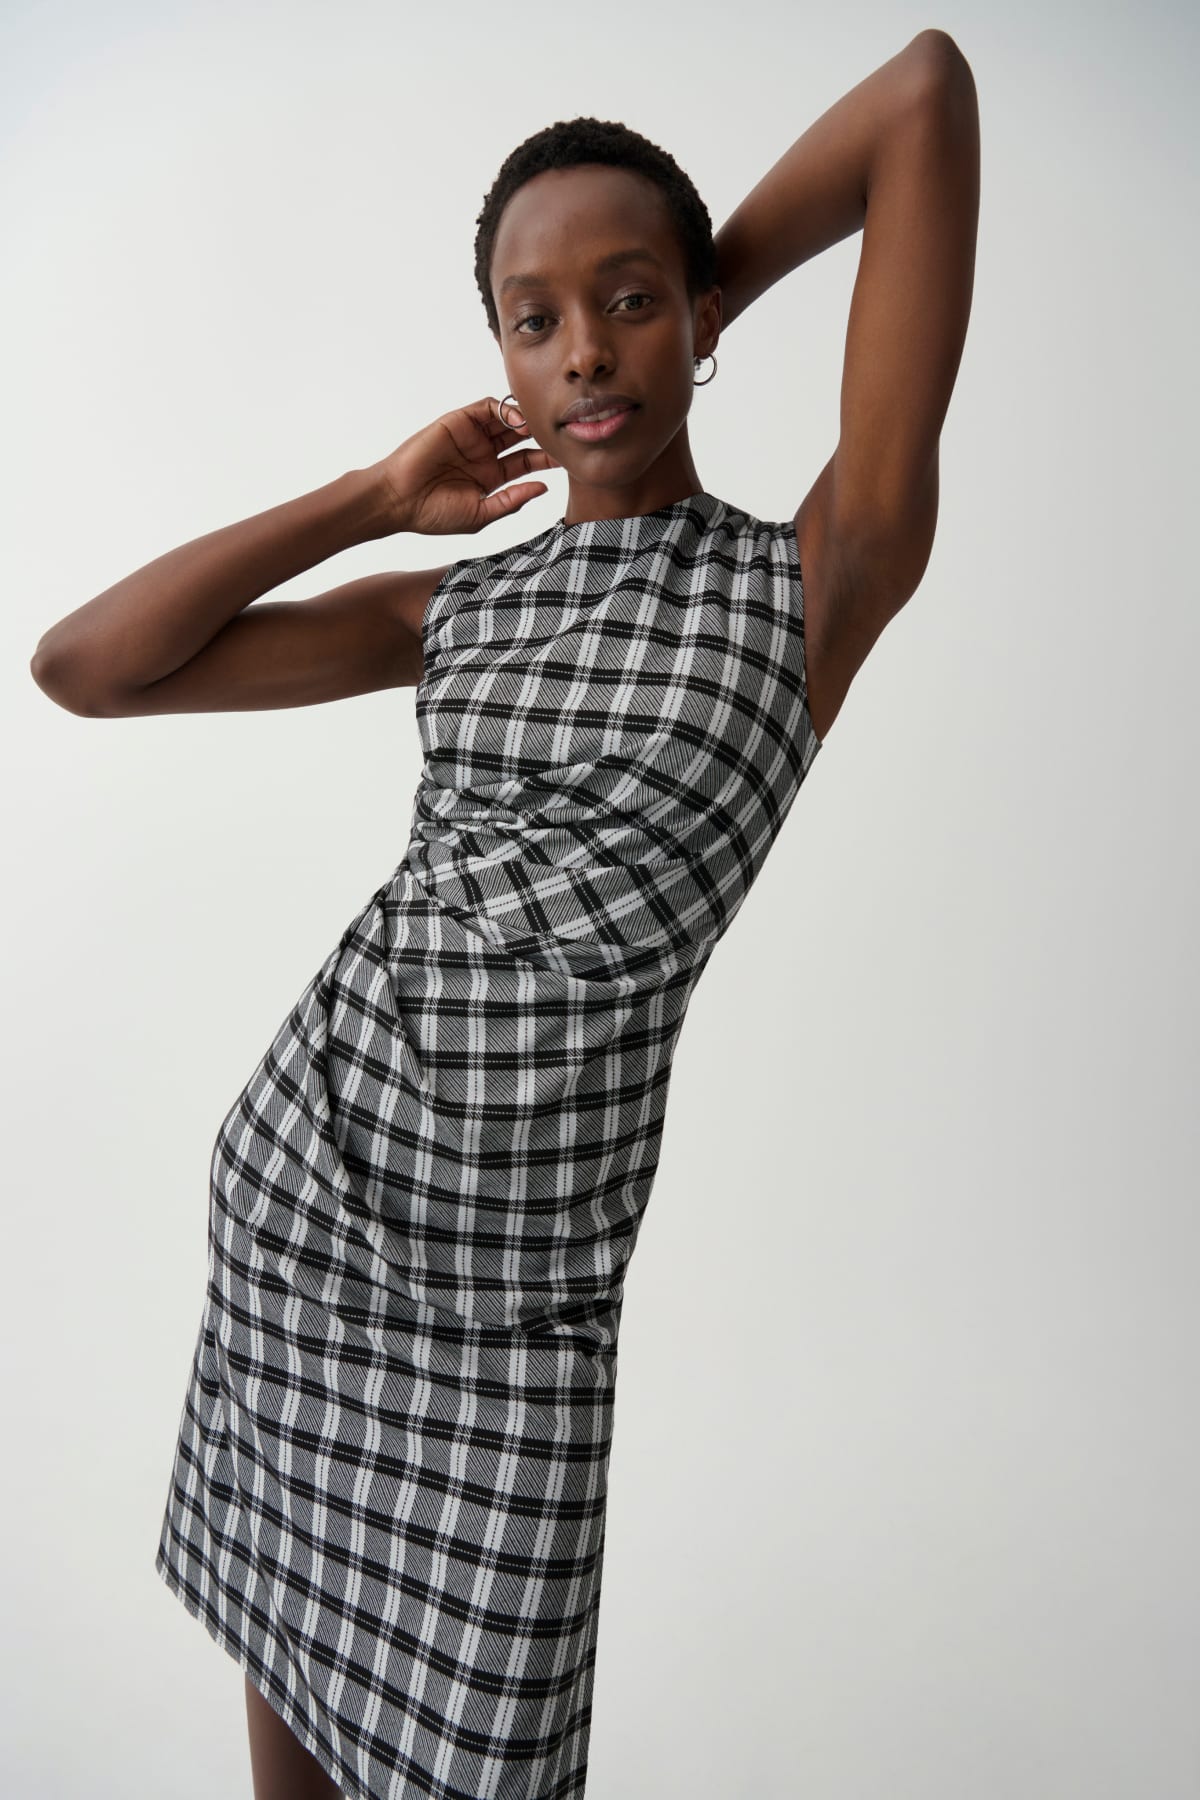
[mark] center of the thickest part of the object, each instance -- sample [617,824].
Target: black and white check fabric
[388,1497]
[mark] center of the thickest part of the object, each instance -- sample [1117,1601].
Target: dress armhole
[435,606]
[797,574]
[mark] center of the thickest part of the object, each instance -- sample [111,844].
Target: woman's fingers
[506,437]
[522,461]
[486,413]
[511,454]
[511,434]
[502,437]
[495,506]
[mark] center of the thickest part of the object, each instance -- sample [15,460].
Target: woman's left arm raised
[898,158]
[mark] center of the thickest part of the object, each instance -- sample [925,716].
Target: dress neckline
[703,501]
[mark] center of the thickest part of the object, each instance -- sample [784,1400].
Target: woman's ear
[707,320]
[712,315]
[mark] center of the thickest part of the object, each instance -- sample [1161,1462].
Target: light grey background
[905,1481]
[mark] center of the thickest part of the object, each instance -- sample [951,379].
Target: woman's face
[571,329]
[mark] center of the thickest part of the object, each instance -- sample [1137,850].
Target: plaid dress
[388,1496]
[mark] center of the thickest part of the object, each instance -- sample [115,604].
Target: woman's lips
[592,431]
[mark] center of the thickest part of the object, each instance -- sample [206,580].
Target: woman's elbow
[59,680]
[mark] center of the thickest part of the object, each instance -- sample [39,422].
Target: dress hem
[346,1779]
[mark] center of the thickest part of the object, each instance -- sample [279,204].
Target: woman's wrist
[373,508]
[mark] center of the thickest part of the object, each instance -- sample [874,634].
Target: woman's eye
[532,318]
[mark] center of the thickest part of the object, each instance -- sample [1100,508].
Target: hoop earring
[698,360]
[503,403]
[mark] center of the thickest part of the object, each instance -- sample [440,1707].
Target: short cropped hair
[565,145]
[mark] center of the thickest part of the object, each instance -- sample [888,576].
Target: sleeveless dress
[388,1496]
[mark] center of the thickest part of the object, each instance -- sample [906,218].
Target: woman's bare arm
[176,635]
[185,611]
[899,157]
[353,639]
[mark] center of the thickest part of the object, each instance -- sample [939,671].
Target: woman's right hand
[443,479]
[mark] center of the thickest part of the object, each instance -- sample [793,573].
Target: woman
[388,1498]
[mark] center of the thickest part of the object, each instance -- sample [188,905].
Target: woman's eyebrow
[614,261]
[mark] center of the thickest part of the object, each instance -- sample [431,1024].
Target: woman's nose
[588,350]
